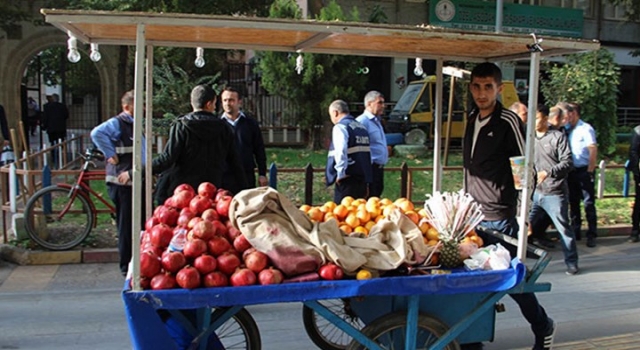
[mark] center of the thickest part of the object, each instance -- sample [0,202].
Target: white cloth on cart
[296,245]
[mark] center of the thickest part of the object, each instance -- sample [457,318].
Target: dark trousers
[635,214]
[582,188]
[121,197]
[350,186]
[531,309]
[376,187]
[54,138]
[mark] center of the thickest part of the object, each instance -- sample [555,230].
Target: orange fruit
[315,214]
[385,201]
[477,240]
[328,216]
[432,242]
[330,205]
[363,216]
[388,209]
[324,209]
[424,226]
[305,207]
[404,204]
[358,201]
[432,234]
[361,229]
[422,212]
[369,225]
[346,201]
[352,220]
[346,228]
[340,212]
[413,216]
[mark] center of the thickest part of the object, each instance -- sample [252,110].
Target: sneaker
[591,242]
[633,239]
[546,342]
[572,270]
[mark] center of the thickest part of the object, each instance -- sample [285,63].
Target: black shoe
[545,342]
[572,270]
[472,346]
[633,239]
[591,242]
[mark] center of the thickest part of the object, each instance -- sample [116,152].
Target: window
[616,13]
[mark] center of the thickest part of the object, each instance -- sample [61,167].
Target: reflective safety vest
[358,153]
[124,150]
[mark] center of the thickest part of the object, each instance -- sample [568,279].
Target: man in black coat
[249,143]
[55,118]
[199,148]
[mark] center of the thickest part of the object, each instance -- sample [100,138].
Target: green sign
[481,15]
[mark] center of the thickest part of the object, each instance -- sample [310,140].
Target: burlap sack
[296,245]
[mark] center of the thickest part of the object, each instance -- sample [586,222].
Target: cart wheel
[239,332]
[389,332]
[325,334]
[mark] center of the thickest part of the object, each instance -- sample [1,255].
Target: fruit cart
[403,297]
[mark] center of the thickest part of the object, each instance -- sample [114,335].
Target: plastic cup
[518,170]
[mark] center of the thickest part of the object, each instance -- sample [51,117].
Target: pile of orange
[359,215]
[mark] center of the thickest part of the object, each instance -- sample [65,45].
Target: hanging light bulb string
[418,71]
[95,55]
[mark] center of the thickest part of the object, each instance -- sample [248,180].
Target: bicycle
[61,216]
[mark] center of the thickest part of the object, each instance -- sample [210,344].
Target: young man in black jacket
[200,147]
[493,134]
[249,143]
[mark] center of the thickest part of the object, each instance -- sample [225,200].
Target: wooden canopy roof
[266,34]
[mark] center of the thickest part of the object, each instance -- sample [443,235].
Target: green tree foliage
[324,78]
[631,7]
[172,93]
[590,79]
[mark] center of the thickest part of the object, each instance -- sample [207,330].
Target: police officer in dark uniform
[349,160]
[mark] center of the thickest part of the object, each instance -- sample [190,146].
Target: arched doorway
[50,75]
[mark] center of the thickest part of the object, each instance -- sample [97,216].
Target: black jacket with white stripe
[487,172]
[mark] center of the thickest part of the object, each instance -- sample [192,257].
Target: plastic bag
[7,156]
[492,257]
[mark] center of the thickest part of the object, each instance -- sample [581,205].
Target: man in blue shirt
[349,159]
[114,138]
[370,119]
[584,150]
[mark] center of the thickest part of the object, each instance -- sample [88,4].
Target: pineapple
[453,215]
[450,254]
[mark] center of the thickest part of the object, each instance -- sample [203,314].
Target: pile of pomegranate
[189,243]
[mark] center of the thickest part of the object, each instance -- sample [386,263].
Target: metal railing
[628,116]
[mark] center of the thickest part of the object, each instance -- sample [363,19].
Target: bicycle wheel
[238,332]
[389,331]
[57,221]
[325,334]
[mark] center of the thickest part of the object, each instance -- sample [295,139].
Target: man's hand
[114,160]
[542,175]
[123,177]
[263,181]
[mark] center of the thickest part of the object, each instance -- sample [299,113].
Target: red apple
[241,244]
[199,204]
[330,271]
[222,206]
[243,277]
[204,230]
[210,215]
[182,199]
[270,276]
[161,235]
[205,264]
[173,261]
[188,277]
[194,248]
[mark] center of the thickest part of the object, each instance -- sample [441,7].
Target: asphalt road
[79,306]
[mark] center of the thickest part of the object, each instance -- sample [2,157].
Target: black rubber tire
[54,234]
[323,333]
[430,329]
[241,325]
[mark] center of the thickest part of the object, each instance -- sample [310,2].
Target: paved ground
[78,306]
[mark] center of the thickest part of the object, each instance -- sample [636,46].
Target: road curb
[23,256]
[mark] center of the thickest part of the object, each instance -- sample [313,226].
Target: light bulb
[73,56]
[418,71]
[95,55]
[199,62]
